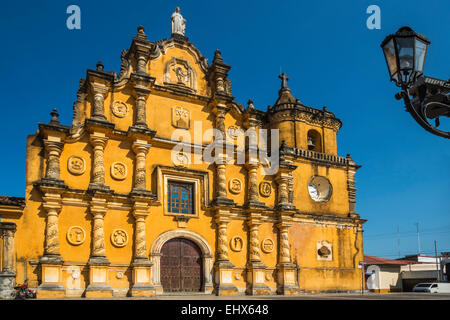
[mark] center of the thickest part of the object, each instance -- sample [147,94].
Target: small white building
[384,275]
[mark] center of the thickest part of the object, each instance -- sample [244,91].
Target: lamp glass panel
[405,48]
[389,54]
[421,51]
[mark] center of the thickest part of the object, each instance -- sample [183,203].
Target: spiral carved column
[222,240]
[141,93]
[254,254]
[53,149]
[98,168]
[140,149]
[284,253]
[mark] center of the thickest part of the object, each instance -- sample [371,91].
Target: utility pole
[437,266]
[418,239]
[398,240]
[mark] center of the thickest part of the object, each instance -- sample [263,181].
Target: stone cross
[284,80]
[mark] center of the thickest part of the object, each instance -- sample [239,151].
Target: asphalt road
[331,296]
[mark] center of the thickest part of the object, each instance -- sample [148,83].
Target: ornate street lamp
[425,98]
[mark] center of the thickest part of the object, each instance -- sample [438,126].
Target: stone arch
[207,257]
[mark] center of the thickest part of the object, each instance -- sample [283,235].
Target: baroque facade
[110,211]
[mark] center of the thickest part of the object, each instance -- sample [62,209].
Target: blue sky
[330,56]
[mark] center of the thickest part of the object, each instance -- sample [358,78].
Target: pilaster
[7,273]
[142,283]
[98,262]
[255,268]
[51,262]
[223,266]
[286,270]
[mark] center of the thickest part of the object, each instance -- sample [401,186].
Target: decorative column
[142,284]
[351,171]
[51,262]
[286,270]
[53,149]
[99,91]
[223,267]
[221,159]
[7,273]
[255,268]
[141,93]
[140,148]
[98,142]
[282,181]
[98,263]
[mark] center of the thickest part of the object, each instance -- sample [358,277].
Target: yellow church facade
[111,209]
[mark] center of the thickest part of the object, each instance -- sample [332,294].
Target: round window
[319,189]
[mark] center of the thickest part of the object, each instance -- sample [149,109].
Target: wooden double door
[181,266]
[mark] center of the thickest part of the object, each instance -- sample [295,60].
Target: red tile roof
[379,261]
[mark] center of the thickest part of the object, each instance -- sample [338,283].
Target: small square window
[181,197]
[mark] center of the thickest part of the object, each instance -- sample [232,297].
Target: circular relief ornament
[267,245]
[119,109]
[265,189]
[119,238]
[235,185]
[233,132]
[236,244]
[76,235]
[76,165]
[118,170]
[180,159]
[319,189]
[119,275]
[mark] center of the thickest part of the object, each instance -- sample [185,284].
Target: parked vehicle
[23,292]
[432,287]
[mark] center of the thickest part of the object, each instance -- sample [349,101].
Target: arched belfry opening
[314,141]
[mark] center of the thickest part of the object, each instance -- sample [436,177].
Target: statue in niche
[178,23]
[183,77]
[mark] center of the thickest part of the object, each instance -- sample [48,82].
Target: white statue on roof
[178,22]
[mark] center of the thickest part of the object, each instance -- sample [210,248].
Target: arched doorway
[181,266]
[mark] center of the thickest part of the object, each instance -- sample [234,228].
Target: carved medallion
[180,159]
[324,251]
[233,132]
[119,238]
[119,109]
[267,245]
[76,235]
[118,170]
[235,185]
[236,244]
[265,189]
[76,165]
[119,275]
[268,276]
[181,117]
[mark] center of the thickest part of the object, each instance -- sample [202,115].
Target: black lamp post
[425,98]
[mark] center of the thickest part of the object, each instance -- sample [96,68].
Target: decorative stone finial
[284,80]
[325,108]
[250,105]
[100,66]
[141,32]
[55,116]
[178,23]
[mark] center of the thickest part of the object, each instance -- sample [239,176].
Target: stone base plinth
[98,291]
[143,291]
[256,277]
[224,279]
[7,281]
[287,279]
[50,291]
